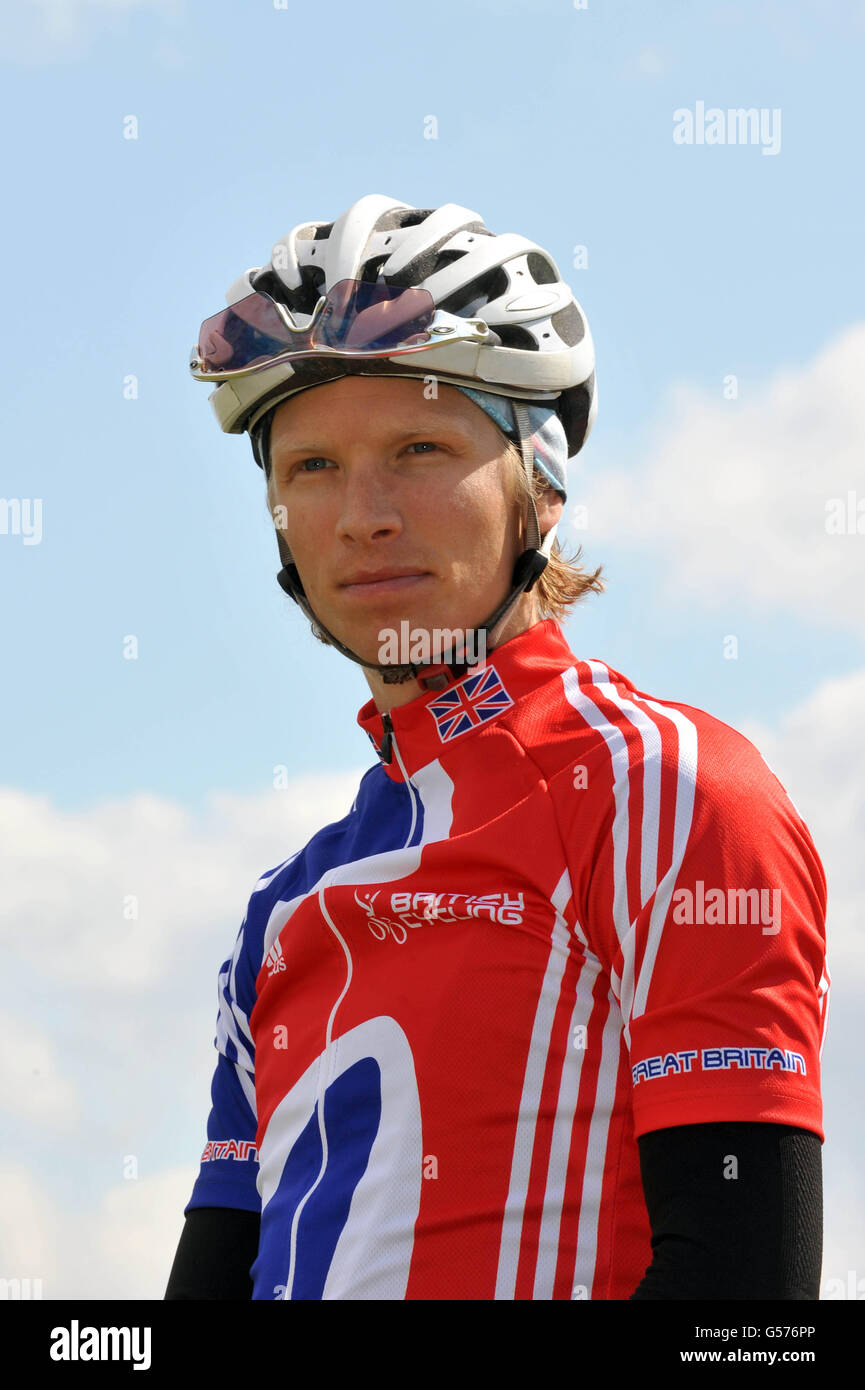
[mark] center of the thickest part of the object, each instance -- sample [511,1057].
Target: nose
[369,510]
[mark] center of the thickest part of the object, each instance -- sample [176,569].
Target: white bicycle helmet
[540,346]
[536,346]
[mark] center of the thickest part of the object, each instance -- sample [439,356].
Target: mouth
[390,584]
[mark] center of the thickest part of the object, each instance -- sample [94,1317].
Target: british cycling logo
[412,910]
[718,1059]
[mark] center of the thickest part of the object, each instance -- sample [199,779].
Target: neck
[387,697]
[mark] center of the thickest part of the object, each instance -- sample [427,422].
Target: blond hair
[564,581]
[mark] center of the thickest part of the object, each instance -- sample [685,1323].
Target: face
[376,478]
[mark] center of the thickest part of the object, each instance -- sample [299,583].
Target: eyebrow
[419,431]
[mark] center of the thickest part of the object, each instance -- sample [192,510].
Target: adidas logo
[274,959]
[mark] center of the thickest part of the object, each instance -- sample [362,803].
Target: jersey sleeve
[229,1163]
[704,896]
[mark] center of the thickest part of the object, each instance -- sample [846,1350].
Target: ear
[549,508]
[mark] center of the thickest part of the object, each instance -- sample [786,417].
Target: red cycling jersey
[563,914]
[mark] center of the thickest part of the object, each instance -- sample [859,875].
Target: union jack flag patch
[477,698]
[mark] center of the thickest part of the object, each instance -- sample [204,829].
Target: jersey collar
[432,723]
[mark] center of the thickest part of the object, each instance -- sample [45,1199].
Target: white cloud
[59,20]
[41,31]
[72,880]
[29,1234]
[114,1022]
[652,62]
[32,1085]
[818,752]
[137,1068]
[649,62]
[135,1234]
[731,495]
[120,1247]
[844,1224]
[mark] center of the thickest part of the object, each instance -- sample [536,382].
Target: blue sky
[704,261]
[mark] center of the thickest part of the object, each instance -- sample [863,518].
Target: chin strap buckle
[441,676]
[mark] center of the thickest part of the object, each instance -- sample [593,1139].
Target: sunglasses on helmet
[355,317]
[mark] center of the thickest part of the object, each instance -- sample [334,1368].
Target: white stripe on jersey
[324,1076]
[232,1026]
[596,1149]
[615,740]
[632,992]
[271,874]
[824,995]
[536,1066]
[686,785]
[650,739]
[563,1133]
[650,736]
[386,1200]
[237,1011]
[226,1031]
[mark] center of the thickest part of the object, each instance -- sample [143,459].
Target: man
[542,1016]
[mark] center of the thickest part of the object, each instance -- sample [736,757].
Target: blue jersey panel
[380,820]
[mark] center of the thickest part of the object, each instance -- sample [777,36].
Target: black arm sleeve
[218,1246]
[736,1211]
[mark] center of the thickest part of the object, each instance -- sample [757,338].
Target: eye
[423,444]
[301,467]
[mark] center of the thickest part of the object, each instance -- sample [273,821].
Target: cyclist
[542,1015]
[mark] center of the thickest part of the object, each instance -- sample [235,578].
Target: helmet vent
[491,285]
[569,325]
[540,269]
[512,336]
[298,301]
[395,218]
[371,268]
[412,217]
[447,258]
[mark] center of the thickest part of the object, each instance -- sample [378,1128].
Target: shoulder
[671,746]
[657,786]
